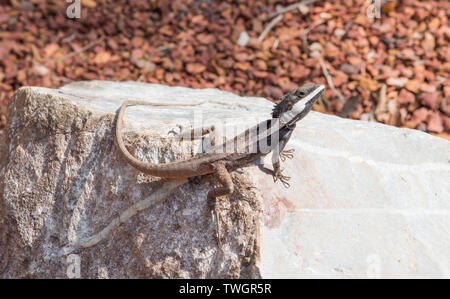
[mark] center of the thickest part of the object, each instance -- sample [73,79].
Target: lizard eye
[300,93]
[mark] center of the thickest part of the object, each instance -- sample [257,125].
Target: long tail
[168,170]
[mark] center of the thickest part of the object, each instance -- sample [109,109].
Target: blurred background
[384,61]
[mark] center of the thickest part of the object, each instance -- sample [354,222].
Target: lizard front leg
[223,177]
[278,175]
[278,153]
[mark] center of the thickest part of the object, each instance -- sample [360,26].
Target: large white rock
[366,200]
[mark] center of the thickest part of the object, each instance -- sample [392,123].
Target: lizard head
[296,104]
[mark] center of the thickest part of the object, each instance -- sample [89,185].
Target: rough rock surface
[366,199]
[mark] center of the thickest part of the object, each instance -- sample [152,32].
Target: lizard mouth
[302,107]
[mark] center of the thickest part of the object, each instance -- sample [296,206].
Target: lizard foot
[287,154]
[283,179]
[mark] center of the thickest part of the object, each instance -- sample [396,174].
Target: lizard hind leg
[222,175]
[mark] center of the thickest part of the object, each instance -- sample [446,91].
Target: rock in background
[367,200]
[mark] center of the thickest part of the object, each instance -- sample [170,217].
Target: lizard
[286,113]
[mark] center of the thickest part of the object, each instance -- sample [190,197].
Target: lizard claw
[283,178]
[287,154]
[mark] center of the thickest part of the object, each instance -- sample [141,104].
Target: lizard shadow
[263,168]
